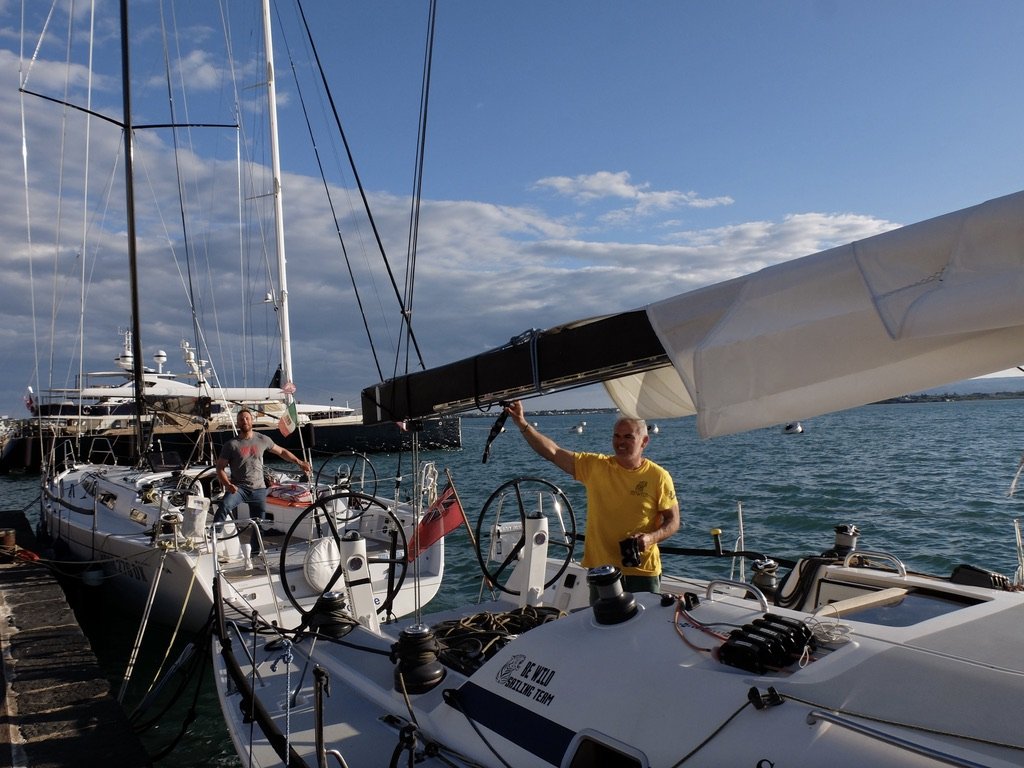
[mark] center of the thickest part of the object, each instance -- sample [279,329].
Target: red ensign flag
[443,517]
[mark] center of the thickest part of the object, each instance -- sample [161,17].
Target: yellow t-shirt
[621,502]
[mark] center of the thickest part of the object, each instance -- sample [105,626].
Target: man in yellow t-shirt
[628,498]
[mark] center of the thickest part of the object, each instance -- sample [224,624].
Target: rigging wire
[244,139]
[54,302]
[359,183]
[85,215]
[202,345]
[330,202]
[185,238]
[415,204]
[23,76]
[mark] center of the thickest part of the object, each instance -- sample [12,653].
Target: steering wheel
[319,530]
[206,483]
[525,497]
[355,471]
[180,486]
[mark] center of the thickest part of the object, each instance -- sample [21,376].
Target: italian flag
[289,421]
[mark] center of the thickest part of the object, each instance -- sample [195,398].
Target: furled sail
[917,307]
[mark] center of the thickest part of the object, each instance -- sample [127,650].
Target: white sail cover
[914,308]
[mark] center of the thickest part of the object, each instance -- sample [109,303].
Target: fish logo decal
[509,668]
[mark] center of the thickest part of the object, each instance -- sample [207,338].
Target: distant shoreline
[922,397]
[952,397]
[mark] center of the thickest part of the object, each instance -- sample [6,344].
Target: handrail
[901,569]
[757,593]
[896,741]
[265,566]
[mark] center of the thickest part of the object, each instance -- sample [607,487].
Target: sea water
[926,482]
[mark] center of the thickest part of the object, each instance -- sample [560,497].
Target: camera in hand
[630,549]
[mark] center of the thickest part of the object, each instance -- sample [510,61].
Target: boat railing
[738,585]
[69,457]
[865,557]
[261,563]
[102,452]
[816,715]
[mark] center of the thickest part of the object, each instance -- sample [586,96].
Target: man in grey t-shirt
[244,456]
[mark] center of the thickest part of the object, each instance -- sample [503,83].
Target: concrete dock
[57,708]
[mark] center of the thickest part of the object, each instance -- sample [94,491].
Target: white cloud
[485,272]
[198,70]
[756,244]
[611,186]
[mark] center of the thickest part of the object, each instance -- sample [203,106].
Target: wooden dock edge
[57,707]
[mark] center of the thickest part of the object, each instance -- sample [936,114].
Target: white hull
[936,691]
[117,519]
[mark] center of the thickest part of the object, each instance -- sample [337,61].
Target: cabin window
[593,753]
[916,606]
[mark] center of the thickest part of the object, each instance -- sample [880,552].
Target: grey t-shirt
[245,458]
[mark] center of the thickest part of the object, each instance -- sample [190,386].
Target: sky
[580,158]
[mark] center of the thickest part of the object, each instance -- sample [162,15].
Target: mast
[129,193]
[275,163]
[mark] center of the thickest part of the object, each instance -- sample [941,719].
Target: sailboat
[148,527]
[96,420]
[843,657]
